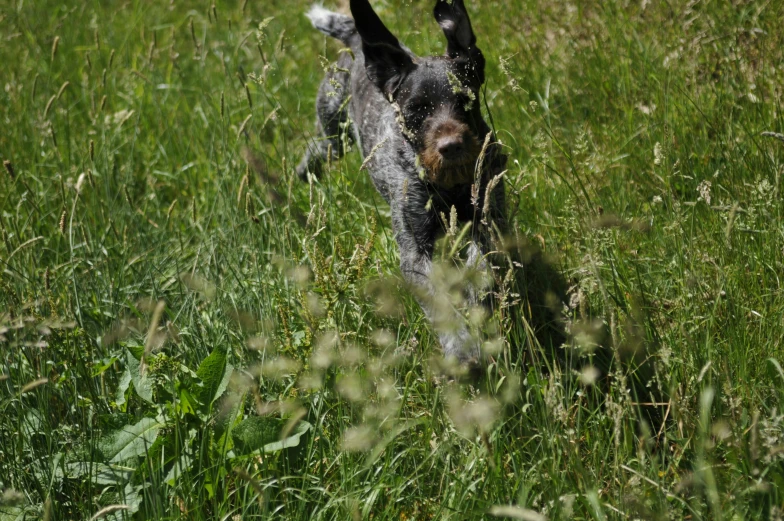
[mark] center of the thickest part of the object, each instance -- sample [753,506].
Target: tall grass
[173,300]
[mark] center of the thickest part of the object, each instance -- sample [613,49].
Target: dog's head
[437,96]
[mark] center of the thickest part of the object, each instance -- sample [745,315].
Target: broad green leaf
[262,433]
[180,466]
[31,425]
[227,418]
[136,350]
[8,513]
[291,441]
[141,383]
[100,368]
[133,496]
[130,441]
[99,473]
[211,372]
[224,383]
[122,388]
[254,432]
[188,403]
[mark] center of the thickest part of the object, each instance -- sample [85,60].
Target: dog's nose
[450,147]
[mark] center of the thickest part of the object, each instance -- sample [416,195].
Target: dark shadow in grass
[547,334]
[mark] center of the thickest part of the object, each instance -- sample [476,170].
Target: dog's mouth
[447,173]
[450,159]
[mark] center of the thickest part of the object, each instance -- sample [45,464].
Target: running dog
[419,125]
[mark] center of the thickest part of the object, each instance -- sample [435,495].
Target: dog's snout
[451,147]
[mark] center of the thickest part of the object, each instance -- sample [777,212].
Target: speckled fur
[386,91]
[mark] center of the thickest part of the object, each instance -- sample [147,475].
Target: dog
[430,153]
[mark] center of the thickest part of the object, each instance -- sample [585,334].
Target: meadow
[189,331]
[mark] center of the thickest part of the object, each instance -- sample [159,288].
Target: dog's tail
[332,24]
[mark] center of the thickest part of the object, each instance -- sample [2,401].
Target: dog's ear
[386,66]
[386,61]
[452,16]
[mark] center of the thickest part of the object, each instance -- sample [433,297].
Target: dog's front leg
[453,334]
[416,265]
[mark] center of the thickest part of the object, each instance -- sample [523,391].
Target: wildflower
[764,189]
[704,189]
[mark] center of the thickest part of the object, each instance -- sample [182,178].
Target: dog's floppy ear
[452,16]
[386,61]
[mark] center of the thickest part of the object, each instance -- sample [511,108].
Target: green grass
[144,174]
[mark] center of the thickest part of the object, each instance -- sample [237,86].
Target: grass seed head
[49,105]
[80,182]
[62,89]
[277,368]
[323,357]
[359,439]
[55,45]
[314,307]
[32,385]
[249,206]
[515,512]
[62,222]
[9,168]
[196,282]
[352,356]
[472,417]
[352,387]
[12,498]
[589,375]
[383,338]
[193,34]
[170,209]
[241,190]
[242,126]
[312,381]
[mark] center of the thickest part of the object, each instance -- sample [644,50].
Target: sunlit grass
[167,281]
